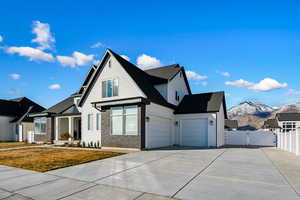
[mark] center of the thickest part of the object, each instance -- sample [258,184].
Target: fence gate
[246,138]
[289,141]
[30,137]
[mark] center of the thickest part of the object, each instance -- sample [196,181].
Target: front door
[77,128]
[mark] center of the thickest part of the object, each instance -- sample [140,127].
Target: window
[98,121]
[288,127]
[40,125]
[110,88]
[90,122]
[177,95]
[124,120]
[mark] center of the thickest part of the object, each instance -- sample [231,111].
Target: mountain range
[253,114]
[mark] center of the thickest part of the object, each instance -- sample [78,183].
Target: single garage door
[194,132]
[158,133]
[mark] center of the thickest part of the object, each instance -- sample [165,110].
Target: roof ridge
[175,64]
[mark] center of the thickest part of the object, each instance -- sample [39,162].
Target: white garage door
[158,133]
[194,132]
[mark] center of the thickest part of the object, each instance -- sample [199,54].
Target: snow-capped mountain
[250,108]
[290,107]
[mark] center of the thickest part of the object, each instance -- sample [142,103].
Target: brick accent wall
[125,141]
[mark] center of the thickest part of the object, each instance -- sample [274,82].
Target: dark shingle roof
[66,106]
[231,123]
[166,72]
[271,123]
[202,103]
[19,108]
[143,80]
[288,116]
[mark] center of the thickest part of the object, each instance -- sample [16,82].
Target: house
[63,117]
[14,120]
[271,125]
[231,125]
[120,105]
[289,122]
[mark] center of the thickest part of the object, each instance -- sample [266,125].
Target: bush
[83,144]
[65,136]
[98,144]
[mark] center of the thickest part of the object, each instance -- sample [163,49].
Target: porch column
[56,128]
[70,126]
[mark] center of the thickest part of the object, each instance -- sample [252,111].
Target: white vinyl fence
[30,137]
[248,138]
[289,141]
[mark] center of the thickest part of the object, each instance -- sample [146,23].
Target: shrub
[98,144]
[83,144]
[65,136]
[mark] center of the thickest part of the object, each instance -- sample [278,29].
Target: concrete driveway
[216,174]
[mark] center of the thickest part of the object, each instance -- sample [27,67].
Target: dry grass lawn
[4,145]
[45,159]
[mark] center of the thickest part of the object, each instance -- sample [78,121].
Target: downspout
[216,130]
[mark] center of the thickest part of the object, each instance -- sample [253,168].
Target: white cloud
[15,76]
[1,38]
[125,57]
[43,35]
[268,84]
[97,45]
[14,92]
[54,87]
[77,59]
[147,62]
[31,53]
[293,92]
[204,83]
[194,75]
[225,74]
[239,83]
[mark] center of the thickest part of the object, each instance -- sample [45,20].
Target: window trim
[291,123]
[90,122]
[39,118]
[124,121]
[113,80]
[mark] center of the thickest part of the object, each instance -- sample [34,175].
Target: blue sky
[256,43]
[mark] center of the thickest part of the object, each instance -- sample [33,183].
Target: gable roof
[19,108]
[66,106]
[231,123]
[271,123]
[288,116]
[168,73]
[141,78]
[88,78]
[202,103]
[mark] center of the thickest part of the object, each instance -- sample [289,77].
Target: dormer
[171,82]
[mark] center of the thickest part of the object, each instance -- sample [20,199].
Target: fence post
[297,138]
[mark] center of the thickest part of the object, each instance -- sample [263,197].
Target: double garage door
[161,132]
[194,132]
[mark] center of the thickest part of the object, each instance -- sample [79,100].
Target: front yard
[5,145]
[45,159]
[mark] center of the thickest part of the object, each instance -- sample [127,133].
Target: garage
[194,132]
[158,132]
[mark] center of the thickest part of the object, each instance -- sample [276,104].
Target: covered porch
[67,127]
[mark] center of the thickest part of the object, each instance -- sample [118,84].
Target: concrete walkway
[216,174]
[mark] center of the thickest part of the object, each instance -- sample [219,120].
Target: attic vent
[109,64]
[180,74]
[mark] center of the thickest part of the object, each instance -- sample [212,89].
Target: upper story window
[177,96]
[40,125]
[110,88]
[288,127]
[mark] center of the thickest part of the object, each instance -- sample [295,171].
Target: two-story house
[120,105]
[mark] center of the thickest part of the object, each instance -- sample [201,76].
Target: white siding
[220,124]
[7,129]
[163,90]
[176,84]
[127,89]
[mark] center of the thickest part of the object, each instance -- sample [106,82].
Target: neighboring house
[14,120]
[289,122]
[271,125]
[64,117]
[124,106]
[231,125]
